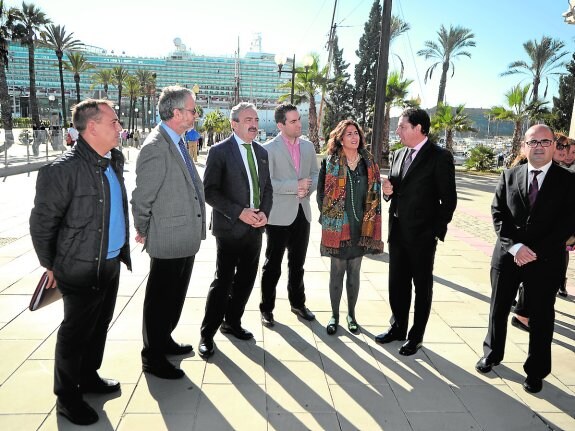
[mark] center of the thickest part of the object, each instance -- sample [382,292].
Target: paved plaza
[292,376]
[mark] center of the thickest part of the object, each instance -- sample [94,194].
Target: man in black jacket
[79,228]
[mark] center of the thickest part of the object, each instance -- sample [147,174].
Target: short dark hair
[417,116]
[282,110]
[87,110]
[336,135]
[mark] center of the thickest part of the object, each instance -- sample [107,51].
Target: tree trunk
[59,54]
[385,137]
[32,74]
[6,111]
[313,132]
[77,81]
[515,142]
[449,140]
[442,83]
[120,100]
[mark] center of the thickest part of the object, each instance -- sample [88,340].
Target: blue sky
[301,26]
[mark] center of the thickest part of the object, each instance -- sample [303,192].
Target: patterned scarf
[335,232]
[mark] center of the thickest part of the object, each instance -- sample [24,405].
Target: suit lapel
[176,155]
[522,185]
[235,150]
[280,142]
[261,165]
[419,159]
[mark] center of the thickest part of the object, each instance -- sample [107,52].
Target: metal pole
[293,72]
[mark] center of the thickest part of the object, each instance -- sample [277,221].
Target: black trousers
[82,334]
[295,239]
[540,285]
[237,261]
[410,262]
[165,295]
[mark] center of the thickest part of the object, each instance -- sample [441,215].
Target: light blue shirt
[174,136]
[117,227]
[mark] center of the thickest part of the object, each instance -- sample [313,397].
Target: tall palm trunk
[59,54]
[313,129]
[442,83]
[77,81]
[120,100]
[6,111]
[144,113]
[515,141]
[32,73]
[449,140]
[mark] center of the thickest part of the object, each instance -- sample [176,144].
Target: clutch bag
[42,295]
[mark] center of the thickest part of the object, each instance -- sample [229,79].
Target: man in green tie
[238,187]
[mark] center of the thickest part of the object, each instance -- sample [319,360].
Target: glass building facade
[221,80]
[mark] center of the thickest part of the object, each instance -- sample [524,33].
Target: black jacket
[70,219]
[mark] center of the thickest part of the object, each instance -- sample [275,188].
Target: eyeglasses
[543,142]
[193,111]
[562,147]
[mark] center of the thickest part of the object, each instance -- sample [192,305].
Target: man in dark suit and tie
[169,216]
[238,187]
[533,217]
[421,187]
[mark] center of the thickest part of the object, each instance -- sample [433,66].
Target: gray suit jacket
[168,203]
[284,180]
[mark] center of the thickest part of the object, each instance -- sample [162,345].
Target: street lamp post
[569,18]
[149,120]
[136,120]
[281,61]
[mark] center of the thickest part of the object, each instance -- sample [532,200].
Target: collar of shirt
[544,169]
[417,148]
[295,142]
[239,141]
[174,137]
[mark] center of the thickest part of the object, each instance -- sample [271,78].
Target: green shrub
[22,122]
[481,158]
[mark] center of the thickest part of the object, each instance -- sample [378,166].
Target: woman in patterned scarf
[349,200]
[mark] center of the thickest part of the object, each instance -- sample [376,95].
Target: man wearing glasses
[530,249]
[169,216]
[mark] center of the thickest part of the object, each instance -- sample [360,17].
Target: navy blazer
[227,187]
[425,199]
[544,228]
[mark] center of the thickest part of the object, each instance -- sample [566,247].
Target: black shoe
[410,347]
[268,319]
[179,349]
[352,325]
[236,331]
[562,292]
[484,365]
[78,412]
[519,324]
[331,326]
[206,347]
[533,385]
[304,313]
[389,336]
[100,385]
[163,370]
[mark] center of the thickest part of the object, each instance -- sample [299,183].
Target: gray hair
[173,97]
[242,106]
[87,110]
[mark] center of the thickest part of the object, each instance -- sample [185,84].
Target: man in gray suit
[294,172]
[238,187]
[169,216]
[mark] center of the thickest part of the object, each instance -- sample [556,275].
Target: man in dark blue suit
[533,217]
[238,187]
[421,187]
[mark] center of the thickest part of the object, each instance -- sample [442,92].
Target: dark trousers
[165,295]
[82,334]
[237,262]
[295,239]
[540,285]
[410,261]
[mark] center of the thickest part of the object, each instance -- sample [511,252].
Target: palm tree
[145,78]
[214,123]
[306,86]
[8,30]
[451,121]
[32,18]
[545,59]
[102,77]
[55,37]
[451,45]
[398,27]
[119,75]
[133,88]
[518,111]
[395,95]
[77,64]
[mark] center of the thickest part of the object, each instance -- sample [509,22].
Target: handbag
[43,296]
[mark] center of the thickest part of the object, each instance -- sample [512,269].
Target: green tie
[254,175]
